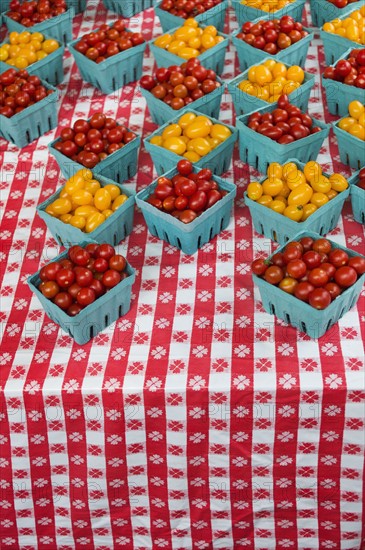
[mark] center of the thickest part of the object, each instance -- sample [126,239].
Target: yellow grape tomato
[102,199]
[93,221]
[301,195]
[82,197]
[61,206]
[113,190]
[117,203]
[254,190]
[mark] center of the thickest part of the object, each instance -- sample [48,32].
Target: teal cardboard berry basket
[49,69]
[335,45]
[218,160]
[78,5]
[357,199]
[258,150]
[113,73]
[326,11]
[30,124]
[210,59]
[128,9]
[119,166]
[115,228]
[215,16]
[93,318]
[161,112]
[246,13]
[245,103]
[59,27]
[296,54]
[351,148]
[301,315]
[190,236]
[338,94]
[279,228]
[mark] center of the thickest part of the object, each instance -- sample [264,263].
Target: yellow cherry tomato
[85,210]
[163,41]
[65,218]
[289,167]
[24,37]
[295,73]
[220,132]
[270,64]
[175,46]
[175,145]
[301,195]
[319,199]
[186,119]
[102,199]
[279,70]
[331,194]
[294,212]
[113,190]
[263,75]
[281,199]
[356,108]
[191,22]
[346,123]
[274,170]
[50,45]
[210,29]
[108,212]
[41,55]
[196,129]
[119,201]
[82,197]
[200,145]
[92,186]
[61,206]
[37,36]
[357,131]
[73,184]
[172,130]
[14,37]
[64,195]
[21,62]
[285,192]
[156,140]
[321,184]
[252,74]
[188,52]
[312,169]
[207,41]
[185,33]
[277,205]
[295,178]
[4,54]
[265,200]
[338,182]
[272,186]
[308,210]
[93,221]
[78,221]
[192,156]
[254,190]
[50,211]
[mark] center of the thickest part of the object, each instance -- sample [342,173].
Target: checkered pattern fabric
[196,421]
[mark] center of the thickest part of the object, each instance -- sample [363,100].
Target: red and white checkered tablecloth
[197,421]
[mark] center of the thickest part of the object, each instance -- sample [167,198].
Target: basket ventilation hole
[106,320]
[27,135]
[342,312]
[287,318]
[59,240]
[211,233]
[178,242]
[165,236]
[120,310]
[115,239]
[135,75]
[303,326]
[321,231]
[199,241]
[353,303]
[92,331]
[49,123]
[39,130]
[330,322]
[257,162]
[113,84]
[272,309]
[154,230]
[363,217]
[222,224]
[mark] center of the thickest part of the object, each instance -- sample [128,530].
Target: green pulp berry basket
[338,94]
[93,318]
[161,112]
[296,54]
[191,236]
[335,45]
[215,16]
[245,103]
[59,27]
[30,124]
[115,228]
[210,59]
[246,13]
[351,148]
[49,69]
[357,199]
[113,73]
[326,11]
[119,166]
[128,8]
[218,160]
[258,150]
[301,315]
[279,228]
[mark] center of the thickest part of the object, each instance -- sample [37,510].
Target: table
[197,421]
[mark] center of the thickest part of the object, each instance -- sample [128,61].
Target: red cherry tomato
[259,266]
[296,269]
[65,277]
[63,300]
[86,296]
[117,262]
[105,251]
[84,276]
[357,262]
[318,277]
[333,289]
[345,276]
[319,298]
[312,259]
[273,274]
[111,278]
[187,216]
[49,289]
[302,290]
[338,257]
